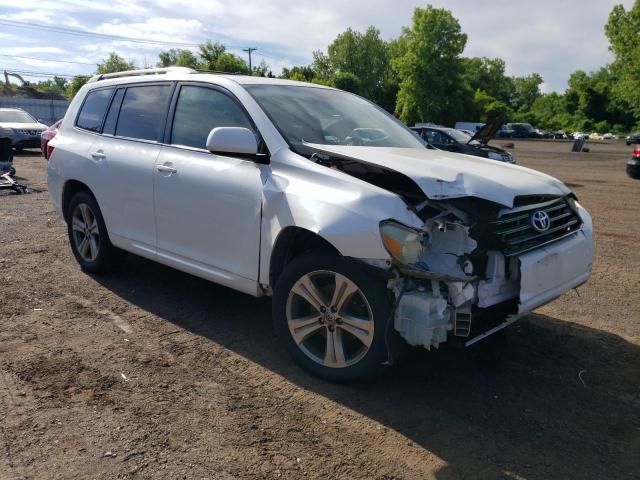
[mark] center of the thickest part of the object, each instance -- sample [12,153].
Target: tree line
[423,76]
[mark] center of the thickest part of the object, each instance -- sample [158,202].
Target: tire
[364,309]
[88,235]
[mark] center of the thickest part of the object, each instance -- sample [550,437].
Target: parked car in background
[6,154]
[542,133]
[633,165]
[523,130]
[318,198]
[559,135]
[46,136]
[596,136]
[505,131]
[610,136]
[580,136]
[634,138]
[453,140]
[22,129]
[469,126]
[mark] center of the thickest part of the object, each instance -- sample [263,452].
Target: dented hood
[449,175]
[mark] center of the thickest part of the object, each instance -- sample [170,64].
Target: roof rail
[144,71]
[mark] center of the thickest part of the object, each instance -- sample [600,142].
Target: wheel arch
[70,188]
[292,242]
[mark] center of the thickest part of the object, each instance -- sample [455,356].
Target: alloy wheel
[86,234]
[330,319]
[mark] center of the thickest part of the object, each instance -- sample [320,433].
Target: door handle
[99,155]
[166,169]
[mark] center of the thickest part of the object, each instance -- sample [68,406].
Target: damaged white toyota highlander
[316,197]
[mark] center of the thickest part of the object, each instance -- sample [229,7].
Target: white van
[318,198]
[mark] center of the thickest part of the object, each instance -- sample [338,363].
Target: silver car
[318,198]
[21,128]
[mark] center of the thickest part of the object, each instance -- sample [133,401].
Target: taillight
[636,152]
[49,150]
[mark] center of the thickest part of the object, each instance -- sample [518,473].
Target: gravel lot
[152,373]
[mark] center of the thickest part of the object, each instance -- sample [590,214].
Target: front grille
[515,234]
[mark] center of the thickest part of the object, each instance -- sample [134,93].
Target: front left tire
[332,317]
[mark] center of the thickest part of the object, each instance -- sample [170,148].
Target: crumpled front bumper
[548,272]
[524,282]
[25,140]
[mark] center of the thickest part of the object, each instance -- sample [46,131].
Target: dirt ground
[152,373]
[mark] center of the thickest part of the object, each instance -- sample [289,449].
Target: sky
[551,37]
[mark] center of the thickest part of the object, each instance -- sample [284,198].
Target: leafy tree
[214,57]
[321,66]
[179,57]
[488,75]
[304,74]
[75,85]
[430,69]
[623,31]
[55,86]
[347,81]
[114,63]
[364,57]
[487,107]
[263,70]
[525,91]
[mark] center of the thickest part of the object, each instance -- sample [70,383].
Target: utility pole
[249,50]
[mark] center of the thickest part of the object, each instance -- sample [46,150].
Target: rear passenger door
[207,206]
[127,151]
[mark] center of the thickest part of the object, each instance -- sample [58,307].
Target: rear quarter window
[143,112]
[93,109]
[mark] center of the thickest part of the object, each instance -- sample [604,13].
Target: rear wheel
[332,317]
[88,235]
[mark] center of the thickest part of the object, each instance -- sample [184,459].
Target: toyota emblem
[540,221]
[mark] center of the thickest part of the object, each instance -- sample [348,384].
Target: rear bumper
[633,168]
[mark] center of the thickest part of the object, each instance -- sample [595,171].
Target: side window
[112,117]
[199,110]
[93,109]
[143,112]
[433,137]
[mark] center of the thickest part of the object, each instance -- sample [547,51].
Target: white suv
[319,198]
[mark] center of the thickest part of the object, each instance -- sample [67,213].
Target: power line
[42,74]
[46,59]
[82,33]
[106,36]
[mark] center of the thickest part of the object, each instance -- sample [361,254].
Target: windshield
[330,117]
[16,116]
[457,135]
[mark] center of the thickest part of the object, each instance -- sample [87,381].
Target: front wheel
[332,317]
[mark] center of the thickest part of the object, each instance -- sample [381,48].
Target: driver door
[207,206]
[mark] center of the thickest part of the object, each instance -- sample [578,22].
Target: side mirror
[236,140]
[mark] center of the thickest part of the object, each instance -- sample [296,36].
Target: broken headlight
[403,243]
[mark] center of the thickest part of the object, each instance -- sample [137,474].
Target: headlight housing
[495,156]
[404,244]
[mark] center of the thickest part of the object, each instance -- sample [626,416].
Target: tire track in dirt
[16,403]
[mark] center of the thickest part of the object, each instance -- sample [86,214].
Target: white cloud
[44,17]
[32,50]
[551,37]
